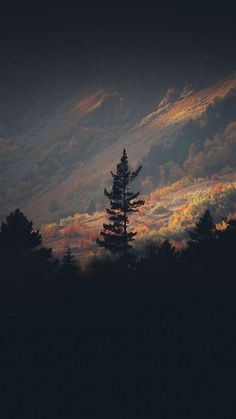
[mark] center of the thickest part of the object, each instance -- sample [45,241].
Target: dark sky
[49,40]
[53,27]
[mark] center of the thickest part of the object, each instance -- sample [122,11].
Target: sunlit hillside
[169,212]
[59,166]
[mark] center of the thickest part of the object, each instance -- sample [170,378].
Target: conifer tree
[69,268]
[23,257]
[115,236]
[17,234]
[204,230]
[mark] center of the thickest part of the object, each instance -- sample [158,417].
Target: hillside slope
[60,165]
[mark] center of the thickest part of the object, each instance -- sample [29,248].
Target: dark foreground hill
[120,349]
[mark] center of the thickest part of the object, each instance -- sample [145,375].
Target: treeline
[133,336]
[25,262]
[209,255]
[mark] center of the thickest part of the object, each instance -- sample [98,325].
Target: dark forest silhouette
[156,339]
[209,253]
[25,262]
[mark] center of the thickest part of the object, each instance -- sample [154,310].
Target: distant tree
[22,254]
[166,250]
[160,258]
[69,268]
[204,230]
[115,235]
[202,253]
[163,250]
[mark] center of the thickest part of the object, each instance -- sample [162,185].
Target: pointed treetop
[69,267]
[115,235]
[205,229]
[17,231]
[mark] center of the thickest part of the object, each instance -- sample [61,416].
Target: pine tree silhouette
[204,230]
[203,247]
[23,257]
[69,268]
[116,237]
[17,234]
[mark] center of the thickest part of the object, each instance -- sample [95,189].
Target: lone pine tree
[115,235]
